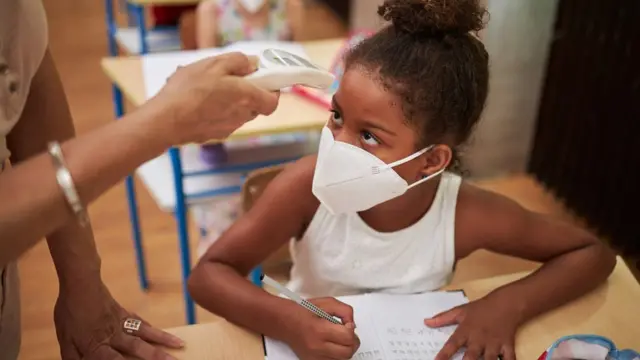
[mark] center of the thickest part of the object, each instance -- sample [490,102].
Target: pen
[298,299]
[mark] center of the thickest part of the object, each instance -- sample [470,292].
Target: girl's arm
[218,282]
[574,261]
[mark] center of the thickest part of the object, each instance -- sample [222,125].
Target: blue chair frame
[136,17]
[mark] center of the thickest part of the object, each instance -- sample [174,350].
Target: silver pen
[298,299]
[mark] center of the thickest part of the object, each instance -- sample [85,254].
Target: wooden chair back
[253,187]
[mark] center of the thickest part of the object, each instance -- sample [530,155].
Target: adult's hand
[210,99]
[89,324]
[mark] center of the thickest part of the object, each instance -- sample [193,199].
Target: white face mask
[252,5]
[348,179]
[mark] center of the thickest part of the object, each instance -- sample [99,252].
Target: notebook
[391,327]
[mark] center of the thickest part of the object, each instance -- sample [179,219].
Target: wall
[363,14]
[517,38]
[339,7]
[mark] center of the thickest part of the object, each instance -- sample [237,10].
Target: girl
[377,210]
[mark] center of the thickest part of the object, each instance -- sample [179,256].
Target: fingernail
[177,341]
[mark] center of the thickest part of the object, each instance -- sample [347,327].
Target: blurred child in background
[169,15]
[220,22]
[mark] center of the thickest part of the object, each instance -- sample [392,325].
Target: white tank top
[341,255]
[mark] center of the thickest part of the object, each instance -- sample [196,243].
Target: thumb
[449,317]
[254,62]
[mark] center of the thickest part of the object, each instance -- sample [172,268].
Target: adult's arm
[32,204]
[85,311]
[47,117]
[204,100]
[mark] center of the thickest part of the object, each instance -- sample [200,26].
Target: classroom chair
[253,187]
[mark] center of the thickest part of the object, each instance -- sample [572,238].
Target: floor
[77,53]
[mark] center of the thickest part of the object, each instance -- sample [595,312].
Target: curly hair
[430,57]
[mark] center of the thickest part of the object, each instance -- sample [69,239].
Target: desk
[173,193]
[611,311]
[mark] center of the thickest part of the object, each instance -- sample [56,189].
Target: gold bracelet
[65,181]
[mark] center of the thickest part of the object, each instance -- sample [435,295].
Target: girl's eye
[369,139]
[336,118]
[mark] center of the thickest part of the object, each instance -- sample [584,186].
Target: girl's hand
[318,339]
[486,328]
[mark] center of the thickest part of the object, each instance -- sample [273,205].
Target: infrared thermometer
[279,69]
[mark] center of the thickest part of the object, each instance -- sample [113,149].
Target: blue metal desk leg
[138,10]
[133,207]
[183,231]
[131,13]
[118,104]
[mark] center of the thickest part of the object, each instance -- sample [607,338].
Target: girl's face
[365,115]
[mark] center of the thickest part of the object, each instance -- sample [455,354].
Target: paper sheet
[156,68]
[390,327]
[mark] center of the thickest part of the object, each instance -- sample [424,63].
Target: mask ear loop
[379,169]
[426,178]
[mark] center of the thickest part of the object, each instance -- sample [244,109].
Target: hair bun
[434,16]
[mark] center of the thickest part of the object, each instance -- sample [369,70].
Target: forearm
[75,257]
[32,204]
[559,281]
[223,291]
